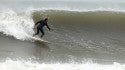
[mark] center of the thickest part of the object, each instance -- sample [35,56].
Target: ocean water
[85,35]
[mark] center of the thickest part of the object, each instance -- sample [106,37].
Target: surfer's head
[46,19]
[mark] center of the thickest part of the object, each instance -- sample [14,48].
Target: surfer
[39,25]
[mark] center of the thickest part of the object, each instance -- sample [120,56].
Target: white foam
[77,10]
[28,65]
[16,25]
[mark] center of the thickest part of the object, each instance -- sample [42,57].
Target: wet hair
[46,19]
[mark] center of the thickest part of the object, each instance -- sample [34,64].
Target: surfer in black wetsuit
[40,26]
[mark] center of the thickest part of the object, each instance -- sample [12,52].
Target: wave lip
[77,9]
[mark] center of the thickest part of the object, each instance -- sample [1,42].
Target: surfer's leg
[42,32]
[37,31]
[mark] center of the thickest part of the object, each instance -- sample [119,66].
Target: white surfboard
[38,39]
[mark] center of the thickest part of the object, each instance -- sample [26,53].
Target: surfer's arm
[36,23]
[47,26]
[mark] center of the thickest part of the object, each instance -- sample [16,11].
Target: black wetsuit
[41,23]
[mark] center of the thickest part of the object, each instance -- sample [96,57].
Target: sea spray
[16,25]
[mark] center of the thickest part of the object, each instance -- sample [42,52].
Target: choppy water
[85,35]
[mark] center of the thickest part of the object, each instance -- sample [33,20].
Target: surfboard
[40,40]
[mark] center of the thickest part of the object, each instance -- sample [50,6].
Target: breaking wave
[28,65]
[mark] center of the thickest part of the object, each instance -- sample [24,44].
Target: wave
[102,19]
[20,24]
[28,65]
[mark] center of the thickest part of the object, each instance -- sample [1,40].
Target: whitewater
[22,65]
[86,35]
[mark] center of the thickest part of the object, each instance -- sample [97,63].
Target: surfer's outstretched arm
[37,23]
